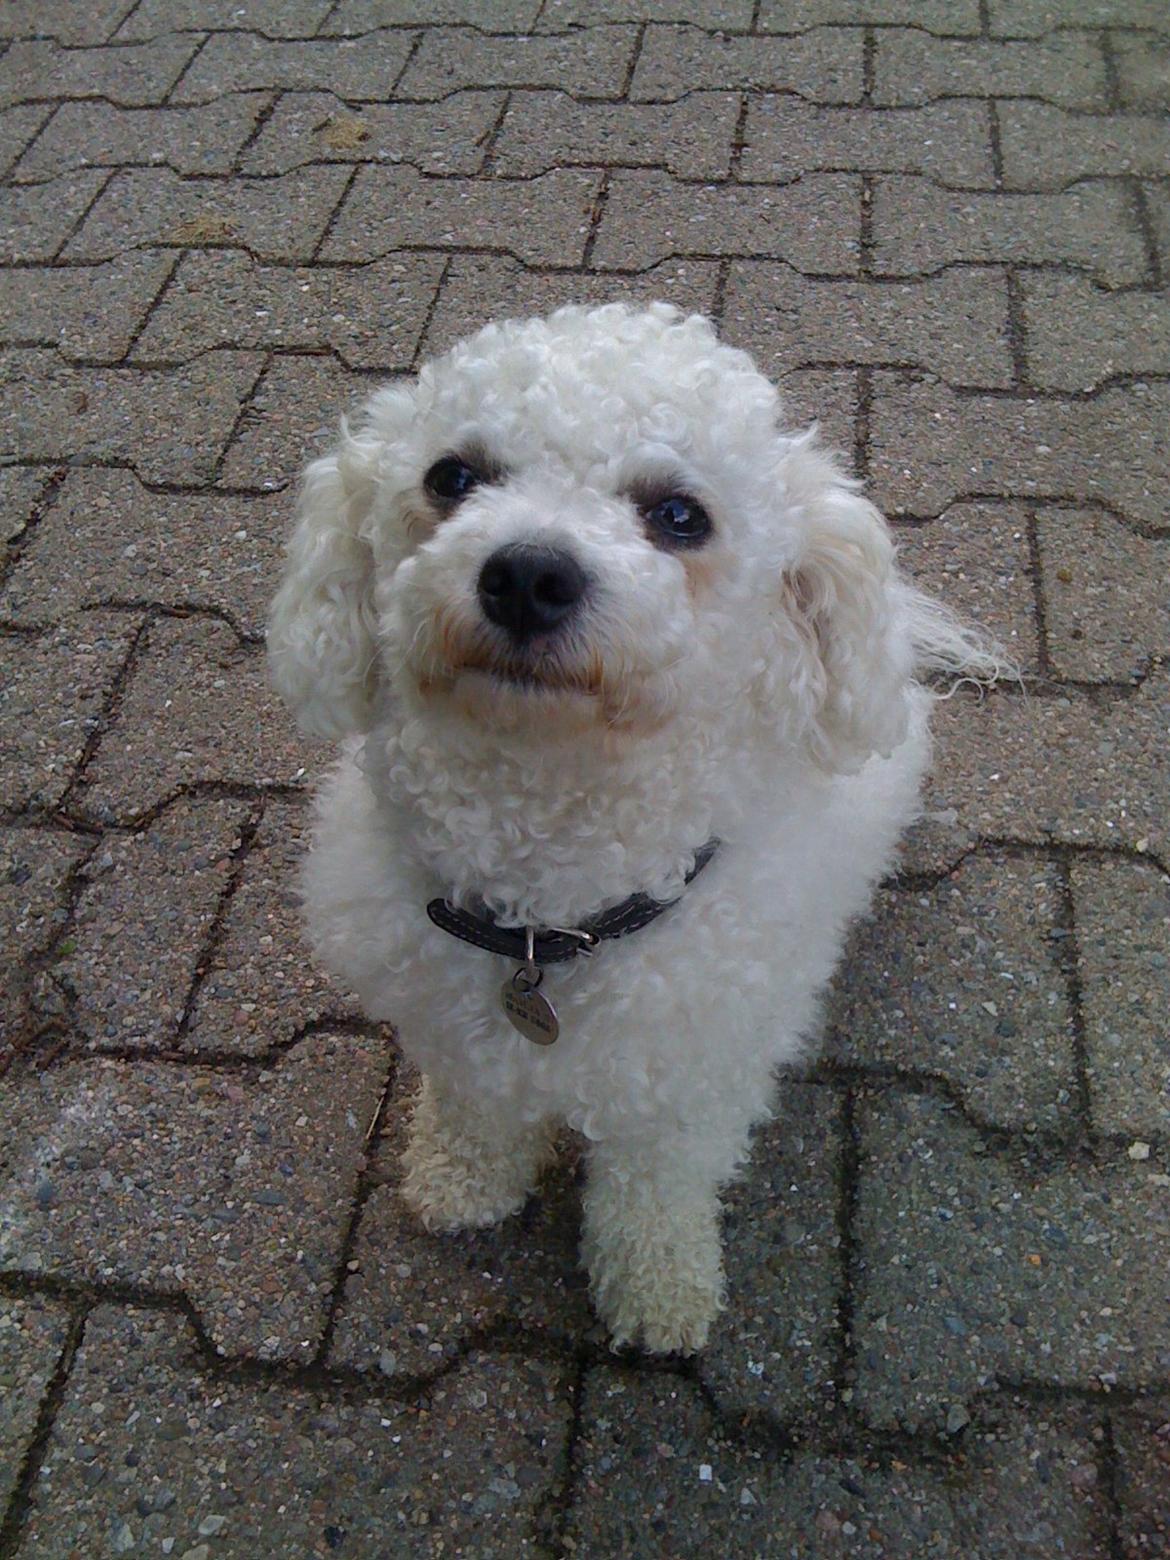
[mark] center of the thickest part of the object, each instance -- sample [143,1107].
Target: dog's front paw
[450,1192]
[660,1286]
[461,1170]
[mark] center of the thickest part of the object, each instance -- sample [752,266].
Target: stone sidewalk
[945,227]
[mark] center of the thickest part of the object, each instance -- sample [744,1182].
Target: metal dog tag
[526,1010]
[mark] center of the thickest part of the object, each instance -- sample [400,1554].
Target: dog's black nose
[530,590]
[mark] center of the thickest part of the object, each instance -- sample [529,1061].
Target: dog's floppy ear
[854,656]
[321,631]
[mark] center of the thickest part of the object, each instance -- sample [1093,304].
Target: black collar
[550,945]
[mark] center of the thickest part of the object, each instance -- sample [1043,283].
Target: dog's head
[592,524]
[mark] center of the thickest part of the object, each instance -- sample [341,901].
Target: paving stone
[294,416]
[1067,68]
[132,75]
[1158,202]
[1143,69]
[479,288]
[976,558]
[288,1470]
[935,16]
[651,1459]
[773,1348]
[1046,769]
[34,865]
[171,424]
[1142,1439]
[273,18]
[261,985]
[981,1266]
[592,61]
[823,65]
[691,138]
[197,708]
[785,137]
[965,982]
[89,312]
[359,16]
[1123,939]
[188,1181]
[1078,335]
[931,446]
[188,140]
[52,692]
[32,1337]
[20,492]
[705,13]
[18,126]
[443,138]
[1030,18]
[34,223]
[107,539]
[813,223]
[371,316]
[919,227]
[544,221]
[277,219]
[142,921]
[954,323]
[1044,147]
[365,67]
[64,20]
[827,397]
[1106,595]
[416,1299]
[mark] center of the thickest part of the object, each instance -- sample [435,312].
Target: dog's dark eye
[679,521]
[451,479]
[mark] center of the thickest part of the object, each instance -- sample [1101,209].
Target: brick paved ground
[945,226]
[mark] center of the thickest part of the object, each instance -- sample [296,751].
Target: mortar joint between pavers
[243,412]
[83,215]
[1145,224]
[107,715]
[1039,604]
[262,119]
[363,1187]
[421,346]
[40,507]
[247,1067]
[719,295]
[20,1504]
[490,140]
[738,139]
[1068,951]
[169,96]
[238,856]
[323,24]
[1112,70]
[632,64]
[331,220]
[845,1216]
[595,217]
[869,45]
[552,1515]
[993,130]
[882,1079]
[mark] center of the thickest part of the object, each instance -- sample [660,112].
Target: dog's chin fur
[760,690]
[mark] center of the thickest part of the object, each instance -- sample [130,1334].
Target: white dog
[622,657]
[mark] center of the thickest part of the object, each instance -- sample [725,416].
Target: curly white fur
[760,689]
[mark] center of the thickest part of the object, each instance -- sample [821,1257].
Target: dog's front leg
[466,1167]
[652,1241]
